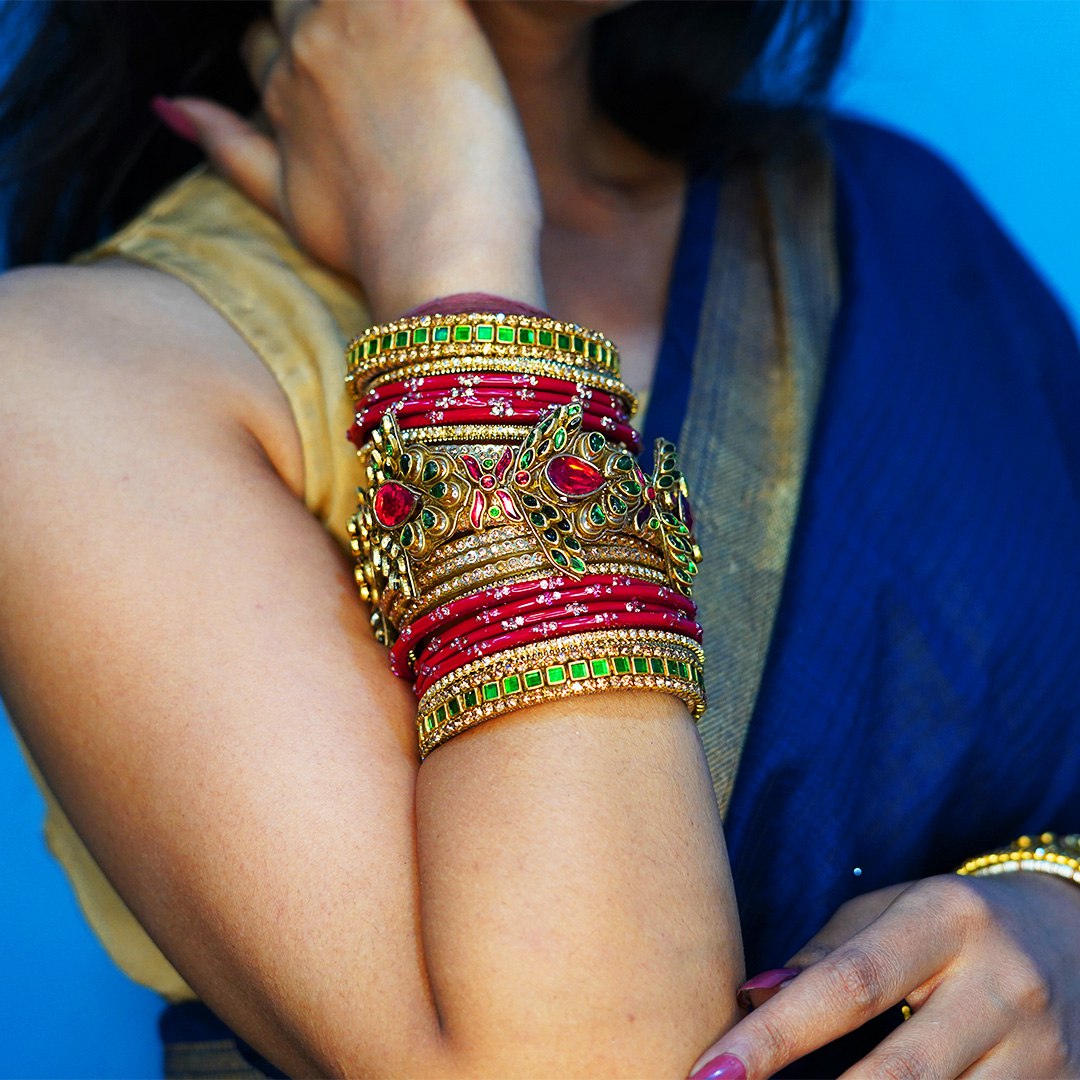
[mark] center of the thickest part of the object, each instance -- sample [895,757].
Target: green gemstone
[559,558]
[684,670]
[596,514]
[600,666]
[573,543]
[526,336]
[537,518]
[427,519]
[631,487]
[673,667]
[488,463]
[624,462]
[440,714]
[407,535]
[470,698]
[531,502]
[526,459]
[485,332]
[546,337]
[577,565]
[617,505]
[533,679]
[490,691]
[494,511]
[579,344]
[441,333]
[431,470]
[505,335]
[596,444]
[462,333]
[551,536]
[665,481]
[564,342]
[657,665]
[386,341]
[438,490]
[511,684]
[555,674]
[401,339]
[579,669]
[454,706]
[371,347]
[641,665]
[592,350]
[559,439]
[420,335]
[429,722]
[622,665]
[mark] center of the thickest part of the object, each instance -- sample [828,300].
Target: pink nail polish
[775,978]
[724,1067]
[174,118]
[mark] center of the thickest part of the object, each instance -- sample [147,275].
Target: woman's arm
[183,650]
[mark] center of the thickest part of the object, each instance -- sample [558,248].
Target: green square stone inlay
[592,350]
[420,335]
[533,679]
[564,342]
[579,344]
[511,684]
[526,336]
[600,666]
[371,347]
[463,333]
[441,333]
[506,335]
[401,338]
[684,671]
[440,714]
[470,698]
[657,665]
[673,667]
[546,337]
[579,670]
[454,706]
[386,341]
[622,665]
[485,332]
[429,722]
[490,691]
[641,665]
[555,674]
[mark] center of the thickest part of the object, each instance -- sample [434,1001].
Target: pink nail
[767,980]
[174,118]
[724,1067]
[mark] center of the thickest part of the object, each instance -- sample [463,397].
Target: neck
[587,169]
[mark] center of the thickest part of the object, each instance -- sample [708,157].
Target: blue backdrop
[988,83]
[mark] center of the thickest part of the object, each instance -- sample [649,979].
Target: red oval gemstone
[574,476]
[394,504]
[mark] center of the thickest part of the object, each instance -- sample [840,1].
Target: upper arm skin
[183,650]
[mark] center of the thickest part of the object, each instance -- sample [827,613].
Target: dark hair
[81,152]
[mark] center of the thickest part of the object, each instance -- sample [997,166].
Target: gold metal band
[1047,853]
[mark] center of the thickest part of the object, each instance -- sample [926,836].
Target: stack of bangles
[511,547]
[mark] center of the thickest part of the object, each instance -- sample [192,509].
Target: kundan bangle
[1046,853]
[506,531]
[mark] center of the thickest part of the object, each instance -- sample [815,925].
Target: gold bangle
[393,344]
[1047,853]
[569,672]
[659,643]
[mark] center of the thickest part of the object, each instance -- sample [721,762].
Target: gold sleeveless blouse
[771,296]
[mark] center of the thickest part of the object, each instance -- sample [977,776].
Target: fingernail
[174,118]
[773,979]
[724,1067]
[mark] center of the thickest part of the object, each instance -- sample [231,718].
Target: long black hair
[80,151]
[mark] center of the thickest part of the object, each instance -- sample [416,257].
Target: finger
[260,48]
[904,948]
[238,150]
[955,1028]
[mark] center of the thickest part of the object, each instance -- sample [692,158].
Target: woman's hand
[397,154]
[989,966]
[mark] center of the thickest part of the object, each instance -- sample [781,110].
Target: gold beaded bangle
[584,673]
[396,343]
[1047,853]
[665,644]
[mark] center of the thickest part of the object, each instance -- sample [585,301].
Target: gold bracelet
[582,672]
[1047,853]
[659,643]
[396,343]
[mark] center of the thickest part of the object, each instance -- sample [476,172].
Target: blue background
[988,83]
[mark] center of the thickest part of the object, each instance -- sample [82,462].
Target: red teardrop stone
[574,476]
[394,504]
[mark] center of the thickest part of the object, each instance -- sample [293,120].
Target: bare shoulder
[85,347]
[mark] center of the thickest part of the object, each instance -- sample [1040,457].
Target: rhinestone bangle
[1047,853]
